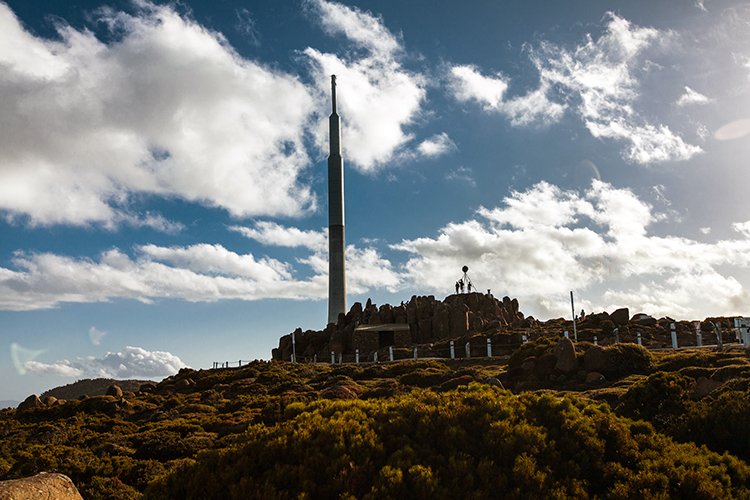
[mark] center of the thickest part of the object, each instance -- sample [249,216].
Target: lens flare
[21,355]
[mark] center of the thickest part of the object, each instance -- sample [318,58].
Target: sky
[163,168]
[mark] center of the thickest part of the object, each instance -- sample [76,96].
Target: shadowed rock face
[42,486]
[430,320]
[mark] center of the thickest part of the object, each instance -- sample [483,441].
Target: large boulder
[595,360]
[620,316]
[114,390]
[31,403]
[42,486]
[644,319]
[565,352]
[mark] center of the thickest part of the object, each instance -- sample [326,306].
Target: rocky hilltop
[429,321]
[430,324]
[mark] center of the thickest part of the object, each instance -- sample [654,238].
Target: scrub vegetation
[660,425]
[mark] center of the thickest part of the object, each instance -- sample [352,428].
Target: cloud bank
[196,273]
[131,362]
[545,241]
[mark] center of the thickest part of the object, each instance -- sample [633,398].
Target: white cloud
[742,227]
[96,336]
[197,273]
[271,233]
[596,78]
[469,84]
[246,25]
[690,96]
[131,362]
[377,97]
[362,28]
[462,174]
[435,146]
[648,143]
[365,268]
[60,368]
[705,230]
[87,124]
[545,241]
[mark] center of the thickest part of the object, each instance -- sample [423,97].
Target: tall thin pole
[573,311]
[336,246]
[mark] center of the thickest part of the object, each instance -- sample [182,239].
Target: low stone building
[371,338]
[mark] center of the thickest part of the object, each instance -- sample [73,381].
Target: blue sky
[162,168]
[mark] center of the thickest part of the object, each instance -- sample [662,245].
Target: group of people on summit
[460,285]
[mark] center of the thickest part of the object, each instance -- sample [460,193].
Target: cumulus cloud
[468,84]
[545,241]
[690,96]
[597,79]
[435,146]
[131,362]
[365,267]
[377,97]
[197,273]
[271,233]
[61,368]
[167,108]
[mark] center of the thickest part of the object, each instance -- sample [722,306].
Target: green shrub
[662,399]
[534,348]
[471,443]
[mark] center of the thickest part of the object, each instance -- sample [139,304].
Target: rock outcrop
[429,320]
[31,403]
[42,486]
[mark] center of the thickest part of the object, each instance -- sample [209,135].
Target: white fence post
[673,329]
[375,356]
[333,358]
[719,340]
[698,334]
[617,335]
[356,356]
[390,352]
[341,357]
[467,347]
[737,329]
[415,353]
[489,347]
[294,349]
[453,350]
[573,311]
[638,338]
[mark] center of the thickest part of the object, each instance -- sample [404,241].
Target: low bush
[468,443]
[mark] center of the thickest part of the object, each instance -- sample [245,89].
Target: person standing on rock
[457,286]
[461,285]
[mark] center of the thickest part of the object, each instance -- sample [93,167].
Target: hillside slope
[432,428]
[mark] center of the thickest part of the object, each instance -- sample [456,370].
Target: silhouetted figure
[583,315]
[469,286]
[456,286]
[461,285]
